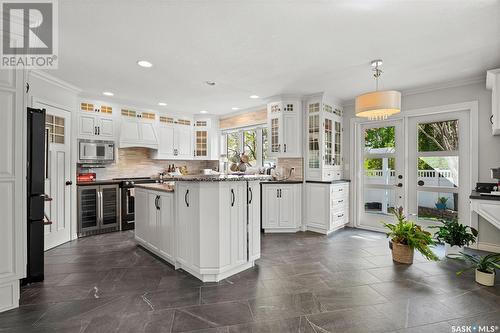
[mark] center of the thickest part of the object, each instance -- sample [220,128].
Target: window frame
[258,129]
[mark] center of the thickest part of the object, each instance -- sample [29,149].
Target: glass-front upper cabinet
[324,139]
[284,127]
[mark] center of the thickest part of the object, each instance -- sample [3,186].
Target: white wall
[489,145]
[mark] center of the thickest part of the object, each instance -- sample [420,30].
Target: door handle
[399,185]
[232,198]
[421,183]
[186,198]
[251,195]
[69,182]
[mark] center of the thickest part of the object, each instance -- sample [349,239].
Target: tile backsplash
[136,162]
[296,163]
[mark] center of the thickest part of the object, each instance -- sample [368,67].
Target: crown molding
[433,87]
[54,80]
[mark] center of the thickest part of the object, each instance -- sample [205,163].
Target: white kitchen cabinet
[174,141]
[284,122]
[233,203]
[135,132]
[323,133]
[186,224]
[493,83]
[253,199]
[206,138]
[94,126]
[154,222]
[281,207]
[141,214]
[327,206]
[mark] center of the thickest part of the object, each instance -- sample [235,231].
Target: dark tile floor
[304,282]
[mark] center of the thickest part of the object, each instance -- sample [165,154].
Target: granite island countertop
[157,187]
[217,178]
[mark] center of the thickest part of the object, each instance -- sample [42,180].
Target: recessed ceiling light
[162,104]
[235,108]
[210,83]
[144,63]
[203,111]
[108,93]
[254,96]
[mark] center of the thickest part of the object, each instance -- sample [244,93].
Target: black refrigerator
[36,165]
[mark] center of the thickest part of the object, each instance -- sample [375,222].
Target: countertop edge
[340,181]
[155,187]
[476,196]
[282,182]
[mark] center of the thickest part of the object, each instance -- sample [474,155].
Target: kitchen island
[208,226]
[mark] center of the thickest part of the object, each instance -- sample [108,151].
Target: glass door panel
[338,144]
[313,142]
[437,151]
[382,185]
[328,142]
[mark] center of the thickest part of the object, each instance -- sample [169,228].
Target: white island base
[210,229]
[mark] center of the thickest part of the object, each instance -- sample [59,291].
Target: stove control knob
[126,183]
[131,183]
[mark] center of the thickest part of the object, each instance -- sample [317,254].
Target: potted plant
[441,203]
[455,236]
[407,236]
[485,267]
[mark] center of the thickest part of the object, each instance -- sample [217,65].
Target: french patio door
[421,163]
[381,171]
[439,167]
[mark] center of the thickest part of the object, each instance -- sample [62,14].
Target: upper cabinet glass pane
[438,136]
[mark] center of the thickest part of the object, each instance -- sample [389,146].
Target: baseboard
[488,247]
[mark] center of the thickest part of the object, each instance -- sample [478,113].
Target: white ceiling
[269,47]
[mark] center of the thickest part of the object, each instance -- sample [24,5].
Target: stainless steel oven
[96,151]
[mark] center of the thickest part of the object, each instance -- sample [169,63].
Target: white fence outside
[435,178]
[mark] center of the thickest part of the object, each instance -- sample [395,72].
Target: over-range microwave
[96,151]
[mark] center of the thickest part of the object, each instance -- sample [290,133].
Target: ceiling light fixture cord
[376,74]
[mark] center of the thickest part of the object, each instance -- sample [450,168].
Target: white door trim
[472,107]
[73,150]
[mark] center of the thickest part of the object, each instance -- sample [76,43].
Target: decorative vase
[441,206]
[486,279]
[453,250]
[402,253]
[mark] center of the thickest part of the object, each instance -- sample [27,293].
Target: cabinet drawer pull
[186,198]
[284,146]
[491,119]
[251,195]
[340,201]
[341,215]
[277,193]
[232,198]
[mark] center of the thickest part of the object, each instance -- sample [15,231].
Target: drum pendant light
[378,105]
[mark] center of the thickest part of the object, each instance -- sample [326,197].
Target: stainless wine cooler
[98,209]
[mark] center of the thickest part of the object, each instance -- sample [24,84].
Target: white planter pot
[486,279]
[454,250]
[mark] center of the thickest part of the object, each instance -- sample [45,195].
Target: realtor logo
[29,34]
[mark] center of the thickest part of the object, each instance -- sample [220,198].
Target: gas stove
[130,182]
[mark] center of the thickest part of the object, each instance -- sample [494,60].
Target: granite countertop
[99,182]
[339,181]
[476,195]
[157,187]
[218,178]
